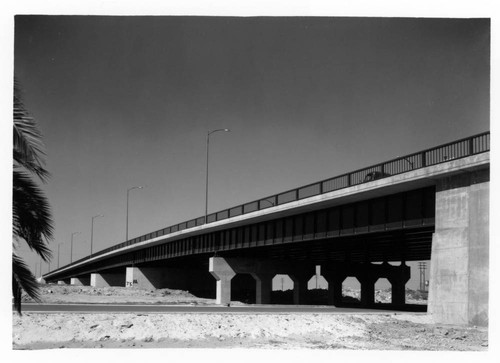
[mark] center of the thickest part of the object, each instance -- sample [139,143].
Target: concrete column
[398,279]
[367,291]
[334,289]
[264,285]
[223,273]
[367,278]
[300,281]
[154,278]
[80,281]
[458,290]
[107,279]
[96,280]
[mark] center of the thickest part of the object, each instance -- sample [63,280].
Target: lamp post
[71,253]
[58,248]
[128,191]
[92,231]
[206,183]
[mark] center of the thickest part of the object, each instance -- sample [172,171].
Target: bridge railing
[457,149]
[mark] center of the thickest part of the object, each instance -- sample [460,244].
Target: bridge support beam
[80,281]
[458,290]
[367,274]
[107,279]
[263,271]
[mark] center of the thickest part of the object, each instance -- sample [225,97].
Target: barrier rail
[457,149]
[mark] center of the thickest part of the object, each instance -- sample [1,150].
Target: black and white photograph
[255,180]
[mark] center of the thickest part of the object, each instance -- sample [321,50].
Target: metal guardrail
[454,150]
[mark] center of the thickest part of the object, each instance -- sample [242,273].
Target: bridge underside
[345,240]
[449,218]
[413,244]
[392,228]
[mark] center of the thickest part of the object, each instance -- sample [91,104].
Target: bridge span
[430,205]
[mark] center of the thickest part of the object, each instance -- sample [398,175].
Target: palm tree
[31,216]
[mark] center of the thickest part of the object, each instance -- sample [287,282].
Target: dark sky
[126,101]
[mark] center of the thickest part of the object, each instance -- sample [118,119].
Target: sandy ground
[402,331]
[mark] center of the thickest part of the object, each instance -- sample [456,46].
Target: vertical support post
[223,296]
[398,280]
[367,292]
[263,287]
[223,273]
[300,281]
[334,279]
[367,279]
[398,292]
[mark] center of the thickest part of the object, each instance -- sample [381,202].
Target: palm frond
[31,166]
[31,215]
[28,146]
[23,279]
[32,221]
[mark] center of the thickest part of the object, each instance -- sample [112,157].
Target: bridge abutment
[458,291]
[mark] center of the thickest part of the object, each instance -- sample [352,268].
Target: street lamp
[206,184]
[58,245]
[92,231]
[126,228]
[71,253]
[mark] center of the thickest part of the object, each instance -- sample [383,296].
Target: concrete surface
[458,290]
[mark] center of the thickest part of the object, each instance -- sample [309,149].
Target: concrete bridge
[430,205]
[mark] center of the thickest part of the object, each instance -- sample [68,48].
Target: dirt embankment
[56,294]
[281,331]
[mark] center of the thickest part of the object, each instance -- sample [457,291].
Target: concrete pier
[80,281]
[367,274]
[458,290]
[263,271]
[107,279]
[264,285]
